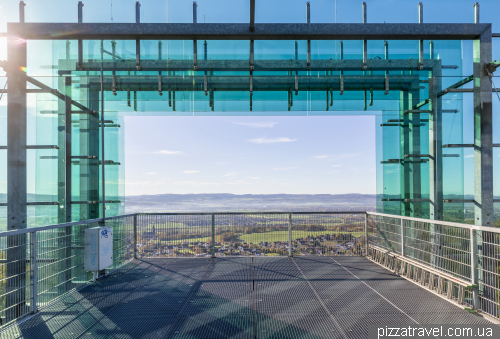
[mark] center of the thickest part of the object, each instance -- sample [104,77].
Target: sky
[228,141]
[250,155]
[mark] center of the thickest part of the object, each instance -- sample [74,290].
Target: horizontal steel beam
[457,145]
[37,147]
[243,65]
[228,31]
[259,83]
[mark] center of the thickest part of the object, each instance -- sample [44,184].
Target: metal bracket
[251,55]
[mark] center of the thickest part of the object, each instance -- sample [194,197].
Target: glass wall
[279,80]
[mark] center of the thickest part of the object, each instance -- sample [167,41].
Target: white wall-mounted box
[98,248]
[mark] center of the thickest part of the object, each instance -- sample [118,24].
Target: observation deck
[257,297]
[249,275]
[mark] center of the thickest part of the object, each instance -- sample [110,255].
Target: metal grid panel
[189,298]
[43,264]
[440,246]
[173,235]
[247,234]
[328,234]
[489,273]
[385,231]
[16,271]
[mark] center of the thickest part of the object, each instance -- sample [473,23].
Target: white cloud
[254,178]
[271,140]
[336,165]
[321,157]
[283,168]
[195,183]
[149,173]
[164,151]
[256,124]
[230,174]
[191,172]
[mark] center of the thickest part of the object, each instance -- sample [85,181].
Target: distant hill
[224,202]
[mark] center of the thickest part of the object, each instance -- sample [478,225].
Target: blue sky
[250,155]
[202,139]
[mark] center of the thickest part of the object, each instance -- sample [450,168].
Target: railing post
[473,269]
[135,236]
[367,245]
[213,236]
[402,238]
[290,235]
[34,269]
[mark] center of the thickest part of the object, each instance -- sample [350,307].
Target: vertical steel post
[21,11]
[34,272]
[80,42]
[402,236]
[365,43]
[290,235]
[67,150]
[483,131]
[308,19]
[367,244]
[135,236]
[435,151]
[195,42]
[16,178]
[476,12]
[421,42]
[213,236]
[252,15]
[483,152]
[138,42]
[473,269]
[103,158]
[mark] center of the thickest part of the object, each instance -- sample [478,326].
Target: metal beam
[21,11]
[80,42]
[252,15]
[138,41]
[228,31]
[259,65]
[435,150]
[483,132]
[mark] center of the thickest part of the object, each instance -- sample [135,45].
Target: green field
[269,236]
[283,235]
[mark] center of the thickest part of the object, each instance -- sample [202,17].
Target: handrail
[75,223]
[49,227]
[440,222]
[252,213]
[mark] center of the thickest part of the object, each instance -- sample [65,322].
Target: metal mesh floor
[312,297]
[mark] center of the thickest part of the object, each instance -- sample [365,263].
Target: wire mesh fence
[40,265]
[488,259]
[459,250]
[245,234]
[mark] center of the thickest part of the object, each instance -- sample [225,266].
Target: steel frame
[20,32]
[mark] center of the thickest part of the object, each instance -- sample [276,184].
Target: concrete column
[16,178]
[483,132]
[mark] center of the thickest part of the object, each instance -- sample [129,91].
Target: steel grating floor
[274,297]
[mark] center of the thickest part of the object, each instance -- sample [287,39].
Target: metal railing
[38,265]
[244,234]
[460,261]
